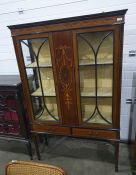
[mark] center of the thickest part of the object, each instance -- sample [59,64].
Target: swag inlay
[64,64]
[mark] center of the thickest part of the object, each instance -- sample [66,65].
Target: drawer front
[94,133]
[51,129]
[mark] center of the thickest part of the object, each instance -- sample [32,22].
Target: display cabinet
[13,119]
[71,74]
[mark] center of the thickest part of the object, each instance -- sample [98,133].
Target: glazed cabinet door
[96,55]
[39,78]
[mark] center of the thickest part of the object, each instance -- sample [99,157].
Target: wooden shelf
[41,65]
[38,92]
[101,92]
[88,62]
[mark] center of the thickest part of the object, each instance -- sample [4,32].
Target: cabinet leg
[35,140]
[116,156]
[41,138]
[29,148]
[46,140]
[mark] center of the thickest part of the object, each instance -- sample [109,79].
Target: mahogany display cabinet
[71,75]
[13,119]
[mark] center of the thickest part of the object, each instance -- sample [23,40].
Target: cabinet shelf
[90,63]
[49,93]
[41,65]
[101,92]
[98,96]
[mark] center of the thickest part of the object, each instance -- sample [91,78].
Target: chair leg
[35,140]
[29,148]
[116,155]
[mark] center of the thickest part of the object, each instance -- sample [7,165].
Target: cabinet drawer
[94,133]
[51,129]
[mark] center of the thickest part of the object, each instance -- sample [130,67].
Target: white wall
[41,10]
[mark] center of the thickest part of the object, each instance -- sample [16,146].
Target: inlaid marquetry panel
[63,55]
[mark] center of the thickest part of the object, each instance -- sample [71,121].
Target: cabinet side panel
[64,61]
[117,75]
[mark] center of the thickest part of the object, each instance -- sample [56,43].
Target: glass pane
[105,53]
[104,80]
[36,52]
[102,114]
[87,81]
[85,52]
[97,44]
[40,111]
[95,52]
[37,59]
[47,81]
[88,108]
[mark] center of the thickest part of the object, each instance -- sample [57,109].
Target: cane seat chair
[32,168]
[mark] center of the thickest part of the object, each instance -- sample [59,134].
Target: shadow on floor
[76,156]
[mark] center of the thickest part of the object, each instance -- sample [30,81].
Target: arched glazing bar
[36,57]
[96,109]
